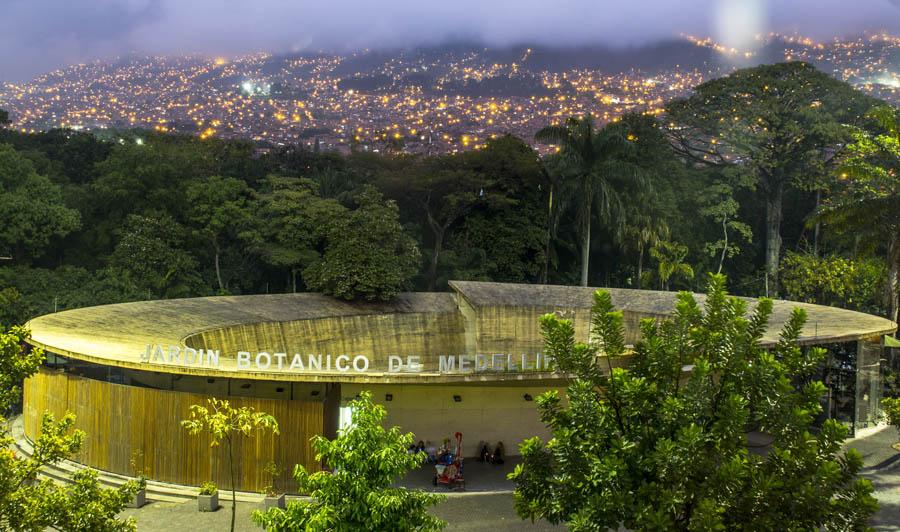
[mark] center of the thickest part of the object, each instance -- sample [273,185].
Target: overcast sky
[40,35]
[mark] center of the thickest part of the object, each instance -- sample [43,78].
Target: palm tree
[559,199]
[642,232]
[670,262]
[867,199]
[596,165]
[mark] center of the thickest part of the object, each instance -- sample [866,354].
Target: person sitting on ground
[499,451]
[420,447]
[485,454]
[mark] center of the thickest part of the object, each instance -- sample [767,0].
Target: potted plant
[208,499]
[274,499]
[140,496]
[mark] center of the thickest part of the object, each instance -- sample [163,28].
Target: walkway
[480,477]
[487,503]
[468,513]
[882,467]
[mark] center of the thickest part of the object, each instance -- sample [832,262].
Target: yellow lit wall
[486,413]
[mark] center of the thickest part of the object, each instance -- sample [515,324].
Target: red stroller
[450,473]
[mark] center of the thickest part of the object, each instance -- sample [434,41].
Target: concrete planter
[139,499]
[276,501]
[208,503]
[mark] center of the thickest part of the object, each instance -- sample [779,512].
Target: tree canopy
[866,197]
[778,123]
[355,491]
[668,443]
[32,211]
[367,254]
[121,215]
[28,502]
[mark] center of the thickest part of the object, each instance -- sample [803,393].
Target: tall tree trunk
[725,245]
[438,247]
[818,224]
[774,199]
[545,275]
[640,270]
[294,280]
[586,248]
[218,270]
[893,284]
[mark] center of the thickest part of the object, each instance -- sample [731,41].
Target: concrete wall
[506,329]
[377,336]
[486,413]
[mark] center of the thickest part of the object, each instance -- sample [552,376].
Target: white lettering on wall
[446,364]
[360,364]
[345,363]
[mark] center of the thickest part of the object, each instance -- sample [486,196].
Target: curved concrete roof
[475,318]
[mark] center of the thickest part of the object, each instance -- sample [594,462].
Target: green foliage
[442,191]
[891,408]
[778,121]
[717,203]
[151,258]
[12,308]
[32,212]
[865,202]
[292,223]
[669,257]
[504,236]
[256,223]
[225,423]
[208,488]
[367,254]
[834,281]
[597,166]
[30,503]
[15,365]
[42,291]
[356,491]
[662,445]
[272,471]
[220,212]
[85,506]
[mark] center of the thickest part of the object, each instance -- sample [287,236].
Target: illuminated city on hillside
[414,103]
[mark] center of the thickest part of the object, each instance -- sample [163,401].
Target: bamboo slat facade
[131,429]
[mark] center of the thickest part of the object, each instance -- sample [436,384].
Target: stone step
[62,473]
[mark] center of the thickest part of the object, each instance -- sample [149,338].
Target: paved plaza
[466,512]
[488,504]
[882,467]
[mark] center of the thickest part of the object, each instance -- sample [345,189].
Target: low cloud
[40,35]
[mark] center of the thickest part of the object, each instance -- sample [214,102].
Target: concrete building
[469,360]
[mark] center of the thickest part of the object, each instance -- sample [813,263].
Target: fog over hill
[42,35]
